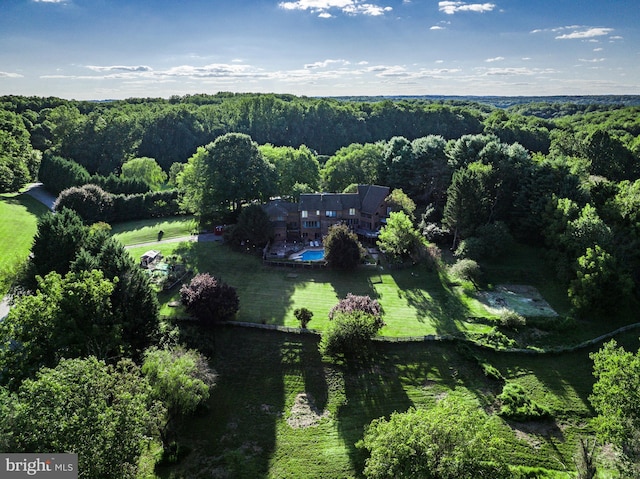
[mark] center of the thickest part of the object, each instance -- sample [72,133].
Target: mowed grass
[19,215]
[416,301]
[146,231]
[249,430]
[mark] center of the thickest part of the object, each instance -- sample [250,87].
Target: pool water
[310,255]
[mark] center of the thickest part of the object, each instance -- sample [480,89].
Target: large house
[365,212]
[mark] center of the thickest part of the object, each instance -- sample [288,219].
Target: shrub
[352,303]
[512,320]
[516,405]
[303,315]
[349,334]
[209,299]
[466,270]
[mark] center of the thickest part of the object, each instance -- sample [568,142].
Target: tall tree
[226,173]
[102,413]
[468,201]
[145,169]
[616,399]
[342,250]
[399,238]
[452,440]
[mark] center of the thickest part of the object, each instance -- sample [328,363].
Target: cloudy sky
[98,49]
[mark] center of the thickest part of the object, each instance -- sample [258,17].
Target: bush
[517,406]
[209,300]
[512,320]
[91,202]
[349,334]
[353,303]
[303,315]
[466,270]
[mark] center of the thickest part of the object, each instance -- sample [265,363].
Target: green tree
[180,379]
[58,239]
[399,238]
[451,440]
[66,317]
[18,161]
[468,201]
[342,250]
[253,227]
[356,163]
[616,400]
[292,166]
[224,174]
[102,413]
[600,283]
[145,169]
[398,200]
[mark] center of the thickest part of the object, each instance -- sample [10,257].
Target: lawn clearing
[251,426]
[414,300]
[148,230]
[19,215]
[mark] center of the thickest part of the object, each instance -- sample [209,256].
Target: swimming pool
[311,255]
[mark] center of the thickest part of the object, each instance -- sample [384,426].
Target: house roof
[328,201]
[277,208]
[371,197]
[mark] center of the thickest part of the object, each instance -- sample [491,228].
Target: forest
[470,176]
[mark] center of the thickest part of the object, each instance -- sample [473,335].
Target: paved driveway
[39,193]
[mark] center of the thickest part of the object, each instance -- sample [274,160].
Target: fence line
[435,337]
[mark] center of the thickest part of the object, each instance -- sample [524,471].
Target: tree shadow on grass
[428,292]
[264,292]
[372,390]
[235,434]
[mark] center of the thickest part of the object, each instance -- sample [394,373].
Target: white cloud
[599,49]
[324,64]
[495,59]
[583,34]
[119,68]
[50,1]
[592,60]
[515,71]
[10,75]
[323,7]
[450,8]
[436,27]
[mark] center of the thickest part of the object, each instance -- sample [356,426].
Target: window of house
[311,224]
[304,214]
[331,214]
[352,211]
[317,212]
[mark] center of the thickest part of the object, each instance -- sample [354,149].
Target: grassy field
[18,221]
[145,231]
[254,426]
[416,301]
[250,426]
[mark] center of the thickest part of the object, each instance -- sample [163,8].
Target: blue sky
[98,49]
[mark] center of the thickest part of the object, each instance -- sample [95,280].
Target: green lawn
[145,231]
[414,300]
[245,432]
[18,222]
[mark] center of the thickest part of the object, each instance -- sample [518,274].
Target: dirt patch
[535,433]
[523,299]
[304,412]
